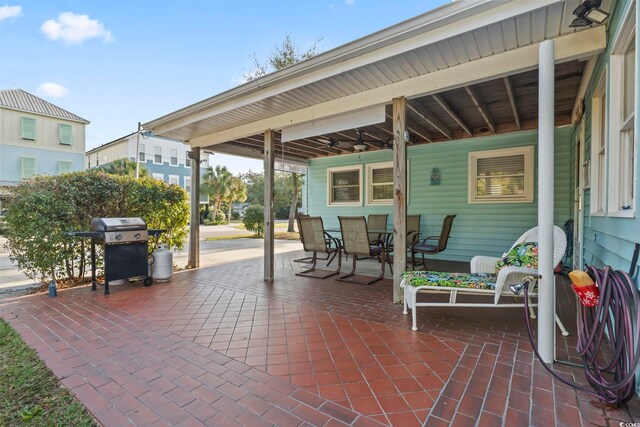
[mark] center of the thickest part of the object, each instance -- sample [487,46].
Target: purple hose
[610,324]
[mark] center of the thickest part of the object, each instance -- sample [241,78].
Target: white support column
[399,194]
[269,263]
[194,228]
[546,142]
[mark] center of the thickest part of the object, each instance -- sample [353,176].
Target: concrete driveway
[211,253]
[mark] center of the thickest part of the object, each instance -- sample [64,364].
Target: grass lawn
[30,394]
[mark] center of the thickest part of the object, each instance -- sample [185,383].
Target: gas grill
[125,243]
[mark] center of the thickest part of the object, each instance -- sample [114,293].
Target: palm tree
[123,167]
[237,192]
[215,183]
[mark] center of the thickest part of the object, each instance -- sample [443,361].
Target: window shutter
[65,134]
[64,167]
[27,167]
[28,128]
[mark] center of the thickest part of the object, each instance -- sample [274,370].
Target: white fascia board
[454,19]
[573,46]
[352,120]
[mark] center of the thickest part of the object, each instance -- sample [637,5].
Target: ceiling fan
[360,144]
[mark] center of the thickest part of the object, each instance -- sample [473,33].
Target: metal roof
[18,99]
[457,33]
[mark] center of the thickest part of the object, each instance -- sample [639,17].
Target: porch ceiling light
[360,147]
[588,13]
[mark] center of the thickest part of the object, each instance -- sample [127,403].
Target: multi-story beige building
[37,137]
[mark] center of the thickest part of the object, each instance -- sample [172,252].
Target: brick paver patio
[218,346]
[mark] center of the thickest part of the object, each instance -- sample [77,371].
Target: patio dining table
[386,233]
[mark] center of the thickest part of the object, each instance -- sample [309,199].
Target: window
[174,179]
[187,160]
[64,167]
[174,157]
[97,160]
[622,150]
[599,148]
[344,186]
[141,154]
[187,184]
[157,155]
[380,183]
[159,176]
[64,131]
[501,176]
[88,162]
[27,167]
[28,128]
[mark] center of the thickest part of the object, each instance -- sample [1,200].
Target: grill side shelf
[87,234]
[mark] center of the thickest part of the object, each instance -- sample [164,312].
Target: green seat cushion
[450,280]
[522,255]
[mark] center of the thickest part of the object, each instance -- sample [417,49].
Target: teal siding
[609,240]
[479,229]
[46,162]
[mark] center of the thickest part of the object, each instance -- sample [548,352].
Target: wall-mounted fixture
[588,13]
[435,176]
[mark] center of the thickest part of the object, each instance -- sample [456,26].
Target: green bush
[254,219]
[220,218]
[44,208]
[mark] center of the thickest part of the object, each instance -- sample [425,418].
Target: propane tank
[162,267]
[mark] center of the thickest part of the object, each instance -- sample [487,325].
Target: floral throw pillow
[522,255]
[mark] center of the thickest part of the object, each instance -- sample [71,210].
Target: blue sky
[117,63]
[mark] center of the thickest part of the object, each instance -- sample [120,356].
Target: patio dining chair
[433,244]
[314,240]
[355,242]
[413,234]
[309,259]
[376,222]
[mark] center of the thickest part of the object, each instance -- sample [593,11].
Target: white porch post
[194,228]
[269,264]
[399,194]
[546,142]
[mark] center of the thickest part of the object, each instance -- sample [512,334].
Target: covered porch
[471,75]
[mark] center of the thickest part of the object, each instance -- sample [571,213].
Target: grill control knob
[118,237]
[136,236]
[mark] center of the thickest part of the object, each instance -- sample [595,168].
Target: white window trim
[621,42]
[369,177]
[176,177]
[158,176]
[598,102]
[177,158]
[529,163]
[330,171]
[154,154]
[142,150]
[187,183]
[187,160]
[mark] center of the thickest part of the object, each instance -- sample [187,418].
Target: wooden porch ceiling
[497,106]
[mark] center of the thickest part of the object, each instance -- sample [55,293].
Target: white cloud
[349,2]
[52,90]
[74,29]
[7,12]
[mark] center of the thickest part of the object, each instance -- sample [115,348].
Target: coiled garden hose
[613,323]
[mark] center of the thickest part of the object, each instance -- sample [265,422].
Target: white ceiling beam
[454,19]
[572,46]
